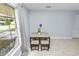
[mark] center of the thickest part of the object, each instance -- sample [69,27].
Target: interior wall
[56,23]
[76,27]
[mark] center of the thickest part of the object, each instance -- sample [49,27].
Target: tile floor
[59,47]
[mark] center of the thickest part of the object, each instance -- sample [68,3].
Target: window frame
[17,46]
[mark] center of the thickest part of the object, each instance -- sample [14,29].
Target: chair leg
[38,47]
[41,47]
[31,47]
[48,48]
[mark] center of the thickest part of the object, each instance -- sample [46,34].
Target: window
[7,28]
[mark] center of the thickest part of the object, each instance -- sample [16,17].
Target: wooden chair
[34,44]
[45,44]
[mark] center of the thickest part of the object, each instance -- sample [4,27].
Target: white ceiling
[54,6]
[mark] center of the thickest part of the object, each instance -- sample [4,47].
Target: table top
[41,34]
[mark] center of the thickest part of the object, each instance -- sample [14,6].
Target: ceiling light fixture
[48,6]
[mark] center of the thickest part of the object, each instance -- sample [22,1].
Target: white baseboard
[61,37]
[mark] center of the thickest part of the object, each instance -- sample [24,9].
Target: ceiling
[54,6]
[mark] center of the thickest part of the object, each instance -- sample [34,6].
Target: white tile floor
[59,47]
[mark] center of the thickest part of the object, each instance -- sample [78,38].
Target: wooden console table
[41,39]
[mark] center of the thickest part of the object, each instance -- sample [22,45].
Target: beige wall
[7,10]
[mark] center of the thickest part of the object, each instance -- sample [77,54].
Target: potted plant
[39,29]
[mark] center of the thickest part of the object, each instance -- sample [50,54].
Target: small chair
[45,44]
[34,44]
